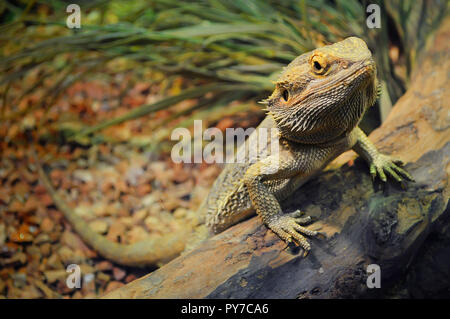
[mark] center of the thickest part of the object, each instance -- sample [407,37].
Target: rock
[41,239]
[19,258]
[87,269]
[127,221]
[2,234]
[170,203]
[33,250]
[63,288]
[180,174]
[208,175]
[46,249]
[47,225]
[46,200]
[88,286]
[118,273]
[30,292]
[130,278]
[21,236]
[45,289]
[66,255]
[132,175]
[4,198]
[70,239]
[180,212]
[104,265]
[31,204]
[155,209]
[102,209]
[54,262]
[139,216]
[88,278]
[74,242]
[83,175]
[19,280]
[148,200]
[143,189]
[53,275]
[103,278]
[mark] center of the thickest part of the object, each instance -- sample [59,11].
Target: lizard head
[323,94]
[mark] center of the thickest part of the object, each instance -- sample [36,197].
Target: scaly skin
[316,106]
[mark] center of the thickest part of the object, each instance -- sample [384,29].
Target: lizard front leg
[286,226]
[379,163]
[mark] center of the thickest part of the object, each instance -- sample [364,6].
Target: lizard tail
[141,254]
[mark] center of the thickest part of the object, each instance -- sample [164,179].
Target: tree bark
[364,221]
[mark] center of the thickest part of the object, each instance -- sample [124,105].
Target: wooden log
[365,222]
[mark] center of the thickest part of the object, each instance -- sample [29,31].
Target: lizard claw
[384,164]
[288,228]
[300,217]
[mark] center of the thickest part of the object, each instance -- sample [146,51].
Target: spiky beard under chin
[317,124]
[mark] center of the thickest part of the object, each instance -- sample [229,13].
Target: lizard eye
[285,95]
[318,64]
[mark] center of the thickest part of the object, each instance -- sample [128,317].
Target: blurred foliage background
[222,55]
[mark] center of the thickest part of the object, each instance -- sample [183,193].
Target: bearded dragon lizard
[316,105]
